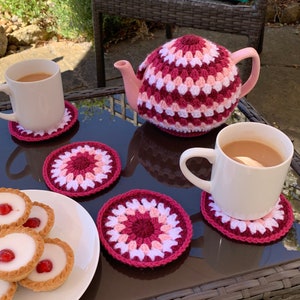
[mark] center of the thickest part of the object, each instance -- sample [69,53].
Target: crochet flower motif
[268,222]
[65,121]
[143,229]
[81,167]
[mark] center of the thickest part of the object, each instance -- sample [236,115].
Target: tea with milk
[34,77]
[252,153]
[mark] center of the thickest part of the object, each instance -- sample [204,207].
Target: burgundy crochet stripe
[217,117]
[188,98]
[189,71]
[186,43]
[157,61]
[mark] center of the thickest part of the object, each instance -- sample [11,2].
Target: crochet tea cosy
[190,85]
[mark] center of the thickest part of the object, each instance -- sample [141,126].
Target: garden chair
[223,16]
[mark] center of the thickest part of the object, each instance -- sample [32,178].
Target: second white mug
[38,100]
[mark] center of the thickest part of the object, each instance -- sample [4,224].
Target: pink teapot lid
[190,85]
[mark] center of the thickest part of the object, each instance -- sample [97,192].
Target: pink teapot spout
[131,83]
[189,85]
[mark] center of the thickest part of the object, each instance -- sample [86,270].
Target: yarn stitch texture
[144,228]
[69,119]
[265,230]
[82,168]
[189,86]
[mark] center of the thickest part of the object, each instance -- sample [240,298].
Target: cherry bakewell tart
[7,290]
[53,268]
[41,218]
[20,250]
[15,207]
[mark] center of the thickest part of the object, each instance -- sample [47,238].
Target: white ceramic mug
[37,105]
[242,191]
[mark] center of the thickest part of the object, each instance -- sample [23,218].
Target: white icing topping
[57,256]
[22,245]
[40,213]
[4,287]
[18,207]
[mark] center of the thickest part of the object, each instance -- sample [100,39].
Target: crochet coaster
[265,230]
[144,229]
[22,134]
[81,168]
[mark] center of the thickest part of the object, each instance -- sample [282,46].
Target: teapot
[189,85]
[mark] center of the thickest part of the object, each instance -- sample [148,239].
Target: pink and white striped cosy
[189,86]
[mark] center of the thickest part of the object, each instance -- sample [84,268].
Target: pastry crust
[27,207]
[29,264]
[57,280]
[44,229]
[10,292]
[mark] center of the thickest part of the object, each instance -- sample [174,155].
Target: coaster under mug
[265,230]
[22,134]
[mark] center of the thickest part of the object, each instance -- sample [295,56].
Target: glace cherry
[32,222]
[5,209]
[44,266]
[6,255]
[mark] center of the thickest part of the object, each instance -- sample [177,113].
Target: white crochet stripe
[190,128]
[255,226]
[66,119]
[212,83]
[169,54]
[183,112]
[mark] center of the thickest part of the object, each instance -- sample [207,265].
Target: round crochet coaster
[22,134]
[81,168]
[144,229]
[265,230]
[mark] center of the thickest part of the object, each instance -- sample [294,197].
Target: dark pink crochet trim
[17,132]
[183,134]
[283,206]
[130,219]
[81,168]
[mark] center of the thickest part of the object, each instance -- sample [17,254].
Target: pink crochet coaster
[81,168]
[22,134]
[265,230]
[144,229]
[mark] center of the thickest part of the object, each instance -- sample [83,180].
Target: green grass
[70,19]
[29,10]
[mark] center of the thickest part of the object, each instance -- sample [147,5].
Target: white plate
[74,225]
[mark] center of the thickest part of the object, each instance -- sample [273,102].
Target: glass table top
[149,159]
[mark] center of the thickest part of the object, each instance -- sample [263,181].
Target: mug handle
[9,117]
[244,53]
[209,154]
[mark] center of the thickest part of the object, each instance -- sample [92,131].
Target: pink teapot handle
[253,77]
